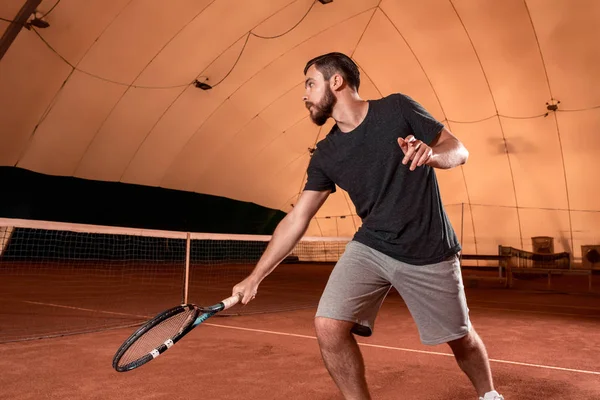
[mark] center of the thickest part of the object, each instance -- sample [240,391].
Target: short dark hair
[330,63]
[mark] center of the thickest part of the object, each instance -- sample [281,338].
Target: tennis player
[383,153]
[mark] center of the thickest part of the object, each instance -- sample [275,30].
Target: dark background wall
[29,195]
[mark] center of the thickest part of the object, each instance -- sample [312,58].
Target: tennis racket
[164,330]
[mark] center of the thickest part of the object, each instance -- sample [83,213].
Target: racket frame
[200,315]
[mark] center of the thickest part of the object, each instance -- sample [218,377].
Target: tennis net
[63,278]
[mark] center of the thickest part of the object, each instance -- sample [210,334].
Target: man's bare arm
[287,234]
[445,152]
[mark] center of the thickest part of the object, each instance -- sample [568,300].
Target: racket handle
[233,300]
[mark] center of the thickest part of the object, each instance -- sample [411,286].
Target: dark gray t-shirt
[401,210]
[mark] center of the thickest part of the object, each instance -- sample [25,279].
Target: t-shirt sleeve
[317,179]
[424,126]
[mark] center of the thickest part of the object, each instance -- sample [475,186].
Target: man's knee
[468,343]
[332,332]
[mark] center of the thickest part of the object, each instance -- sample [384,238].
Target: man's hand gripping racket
[164,330]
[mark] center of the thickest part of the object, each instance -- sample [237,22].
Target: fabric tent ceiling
[106,92]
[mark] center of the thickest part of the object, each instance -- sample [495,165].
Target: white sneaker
[493,395]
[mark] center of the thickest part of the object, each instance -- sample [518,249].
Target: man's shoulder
[326,140]
[392,100]
[396,97]
[391,104]
[402,102]
[321,147]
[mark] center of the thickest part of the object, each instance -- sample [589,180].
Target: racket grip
[233,300]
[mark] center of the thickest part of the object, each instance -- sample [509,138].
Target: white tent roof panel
[129,111]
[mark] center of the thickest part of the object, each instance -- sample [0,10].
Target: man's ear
[337,82]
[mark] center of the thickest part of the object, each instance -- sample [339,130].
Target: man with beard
[383,153]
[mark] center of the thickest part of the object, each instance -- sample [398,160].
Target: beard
[324,109]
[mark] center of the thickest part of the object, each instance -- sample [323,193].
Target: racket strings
[157,335]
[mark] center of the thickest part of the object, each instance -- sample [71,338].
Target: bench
[549,272]
[502,264]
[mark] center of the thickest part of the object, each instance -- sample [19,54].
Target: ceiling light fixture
[202,85]
[552,105]
[37,21]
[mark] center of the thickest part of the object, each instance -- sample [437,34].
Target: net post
[187,269]
[5,235]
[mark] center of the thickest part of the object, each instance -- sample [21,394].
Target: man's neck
[350,113]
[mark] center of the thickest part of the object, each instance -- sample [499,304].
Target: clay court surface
[543,345]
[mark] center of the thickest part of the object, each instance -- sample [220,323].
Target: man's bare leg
[471,356]
[342,357]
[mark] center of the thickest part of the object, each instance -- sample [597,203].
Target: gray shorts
[434,293]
